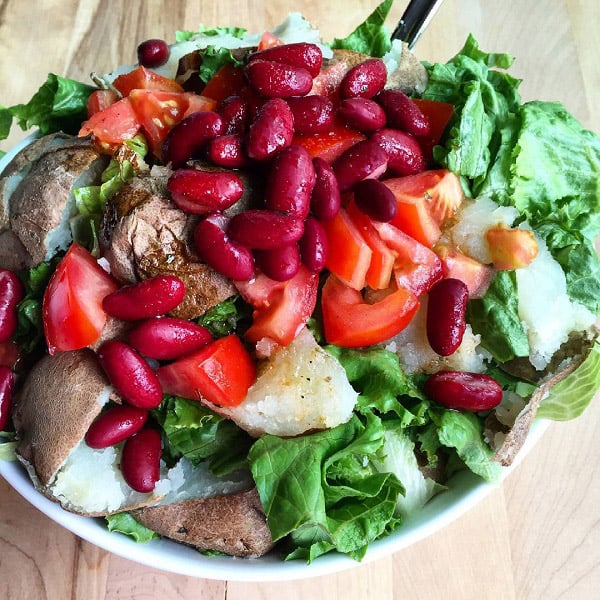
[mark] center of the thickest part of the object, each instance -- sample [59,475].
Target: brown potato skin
[234,524]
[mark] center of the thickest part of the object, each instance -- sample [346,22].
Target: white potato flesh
[299,388]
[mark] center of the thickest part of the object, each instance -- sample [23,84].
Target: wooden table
[536,537]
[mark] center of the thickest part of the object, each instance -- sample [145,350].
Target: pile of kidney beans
[258,126]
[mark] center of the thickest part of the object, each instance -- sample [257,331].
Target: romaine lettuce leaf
[495,317]
[323,492]
[125,523]
[370,37]
[58,105]
[570,397]
[185,35]
[193,431]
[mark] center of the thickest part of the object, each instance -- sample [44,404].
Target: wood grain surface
[538,536]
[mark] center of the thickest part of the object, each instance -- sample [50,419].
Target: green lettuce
[196,433]
[370,37]
[382,384]
[226,317]
[323,492]
[186,35]
[125,523]
[58,105]
[571,396]
[213,59]
[495,317]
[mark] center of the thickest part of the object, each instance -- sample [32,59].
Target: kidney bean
[280,264]
[362,114]
[301,54]
[290,182]
[375,199]
[405,156]
[364,80]
[277,80]
[325,199]
[148,298]
[140,460]
[227,151]
[11,293]
[234,112]
[464,391]
[312,114]
[271,131]
[189,136]
[115,425]
[265,229]
[313,245]
[130,374]
[153,53]
[446,311]
[217,250]
[201,192]
[403,113]
[7,382]
[168,338]
[363,160]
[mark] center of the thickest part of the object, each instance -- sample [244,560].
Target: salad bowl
[465,490]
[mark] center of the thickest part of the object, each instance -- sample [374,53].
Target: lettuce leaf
[126,524]
[186,35]
[370,37]
[382,385]
[495,317]
[58,105]
[570,397]
[323,491]
[213,59]
[195,432]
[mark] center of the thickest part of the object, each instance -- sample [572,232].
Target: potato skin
[234,524]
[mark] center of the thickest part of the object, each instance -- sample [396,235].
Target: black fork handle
[415,19]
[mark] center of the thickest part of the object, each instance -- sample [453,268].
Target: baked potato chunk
[37,197]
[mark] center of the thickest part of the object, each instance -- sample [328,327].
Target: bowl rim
[465,490]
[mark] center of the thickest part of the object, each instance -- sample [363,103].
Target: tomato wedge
[99,100]
[268,40]
[379,273]
[72,311]
[351,322]
[157,112]
[438,114]
[281,308]
[416,267]
[227,81]
[198,102]
[330,144]
[144,79]
[221,373]
[113,125]
[350,255]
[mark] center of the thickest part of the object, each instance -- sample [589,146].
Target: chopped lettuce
[125,523]
[370,37]
[495,317]
[185,35]
[192,431]
[213,59]
[58,105]
[324,491]
[570,397]
[383,386]
[226,317]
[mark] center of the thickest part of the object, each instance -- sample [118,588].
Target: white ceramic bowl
[465,490]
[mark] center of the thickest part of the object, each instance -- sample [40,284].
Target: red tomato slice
[380,268]
[221,373]
[438,114]
[282,308]
[157,112]
[99,100]
[349,255]
[145,79]
[331,144]
[72,306]
[474,274]
[268,40]
[198,103]
[227,81]
[113,125]
[351,322]
[416,267]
